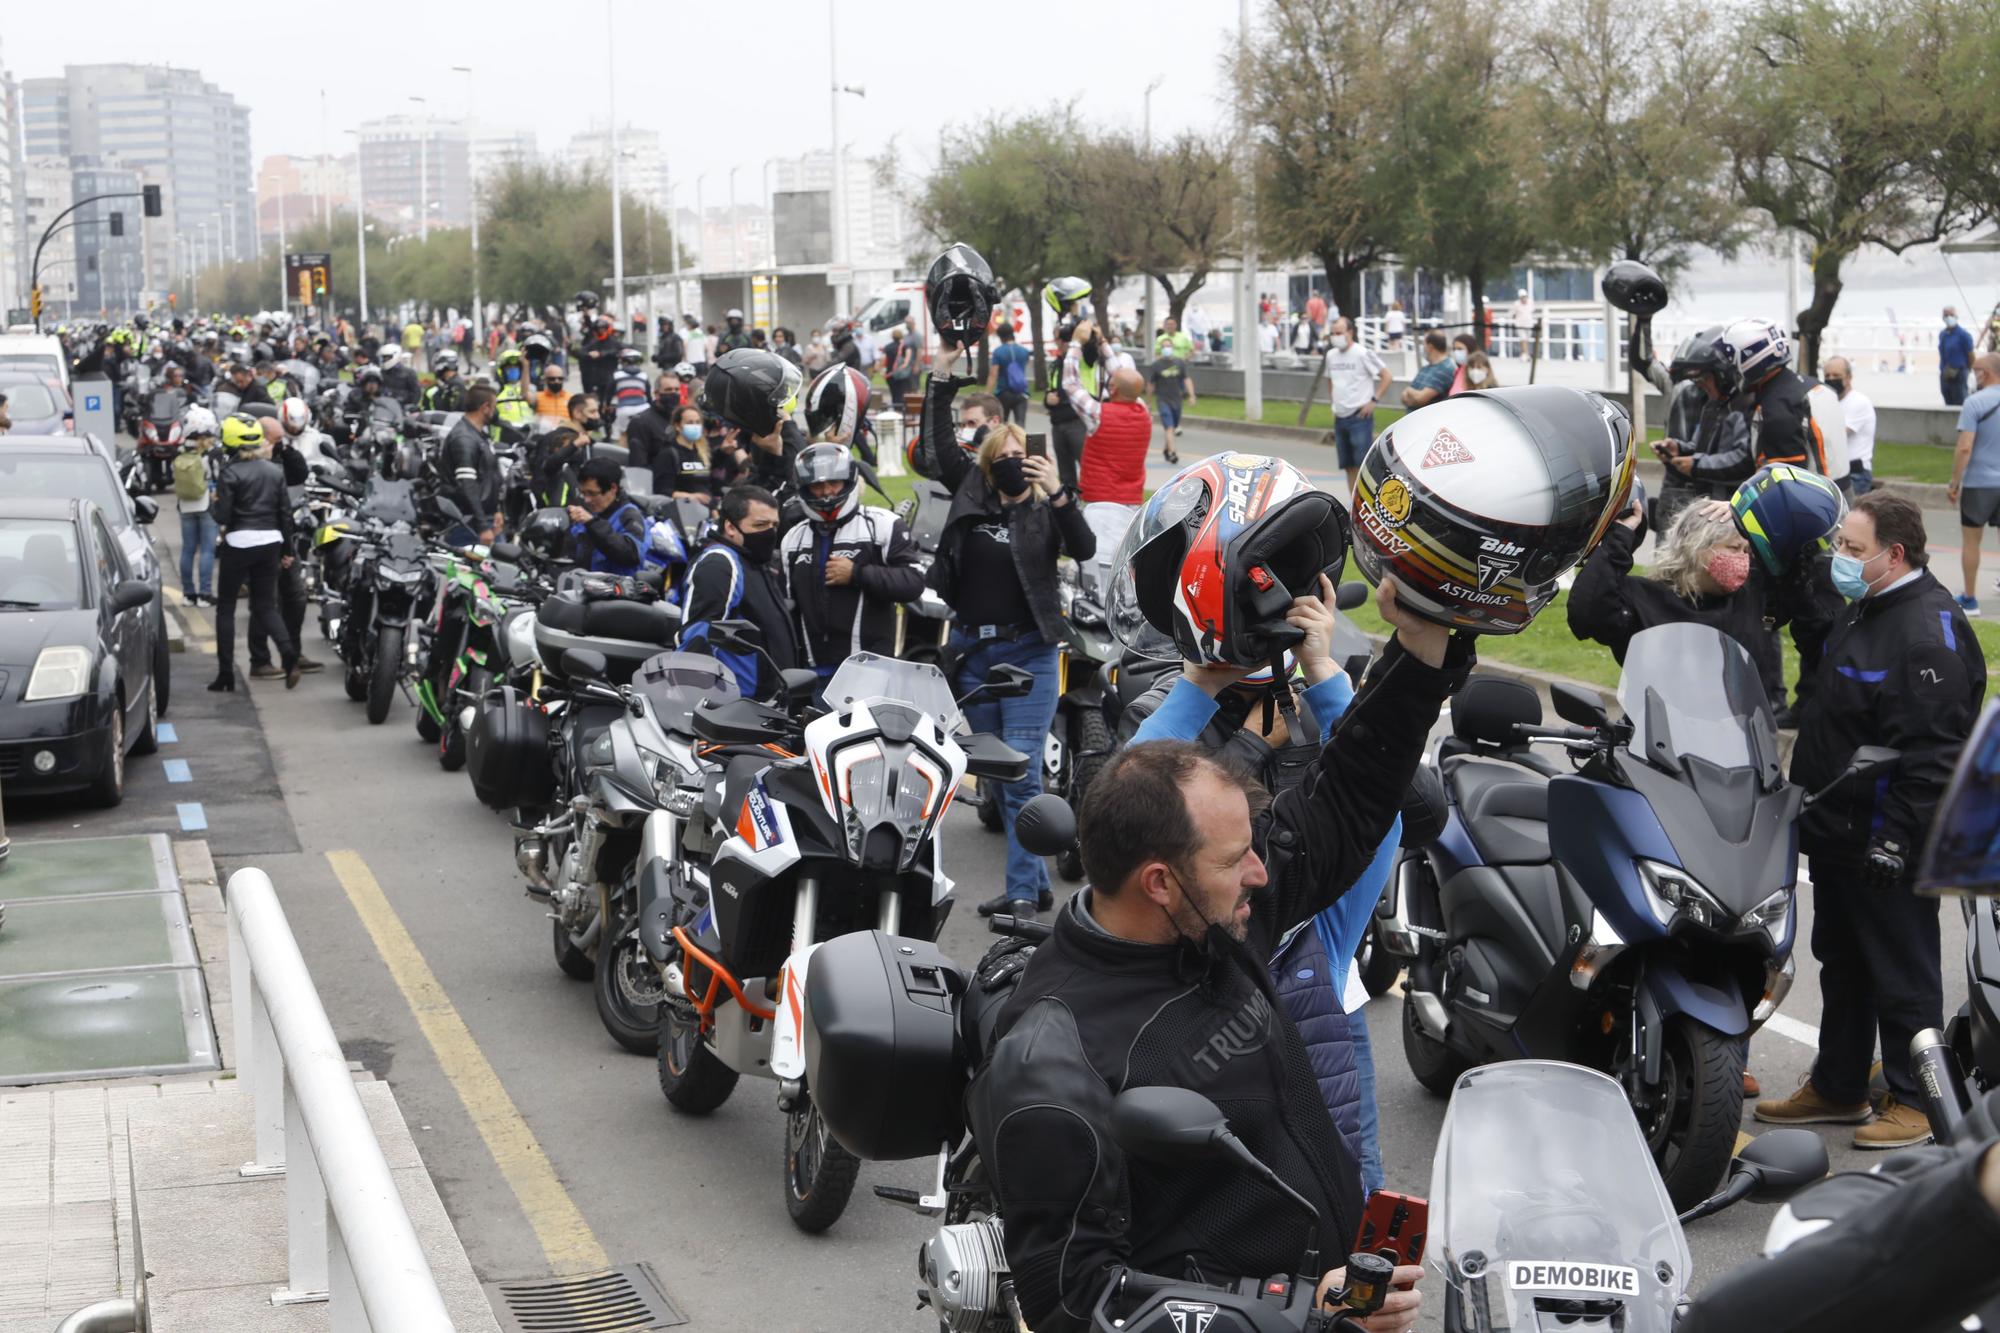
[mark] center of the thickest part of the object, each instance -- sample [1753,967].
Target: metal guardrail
[348,1238]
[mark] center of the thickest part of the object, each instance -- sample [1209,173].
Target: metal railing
[349,1240]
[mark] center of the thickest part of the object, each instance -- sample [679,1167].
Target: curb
[201,890]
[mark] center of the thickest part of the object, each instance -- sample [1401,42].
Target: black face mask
[759,547]
[666,404]
[1837,384]
[1010,475]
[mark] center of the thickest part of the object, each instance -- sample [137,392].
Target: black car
[77,648]
[35,406]
[55,467]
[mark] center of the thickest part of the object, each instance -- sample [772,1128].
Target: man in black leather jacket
[471,472]
[1157,975]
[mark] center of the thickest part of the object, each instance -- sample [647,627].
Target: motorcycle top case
[507,751]
[882,1056]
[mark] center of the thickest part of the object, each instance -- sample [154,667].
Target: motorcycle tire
[382,673]
[819,1173]
[1091,752]
[989,806]
[429,731]
[692,1078]
[1376,966]
[1433,1064]
[451,746]
[624,975]
[574,962]
[356,682]
[1693,1133]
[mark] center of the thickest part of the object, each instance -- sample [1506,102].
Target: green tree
[1165,211]
[1836,127]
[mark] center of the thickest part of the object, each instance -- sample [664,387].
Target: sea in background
[1895,291]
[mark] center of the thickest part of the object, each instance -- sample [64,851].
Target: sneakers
[1807,1107]
[1968,604]
[308,666]
[1894,1126]
[267,671]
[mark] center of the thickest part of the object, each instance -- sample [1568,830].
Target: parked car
[60,466]
[34,405]
[77,652]
[40,354]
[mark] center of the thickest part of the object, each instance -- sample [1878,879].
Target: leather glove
[1003,962]
[1884,867]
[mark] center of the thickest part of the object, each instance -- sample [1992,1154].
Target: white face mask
[1339,341]
[1951,321]
[1458,355]
[1477,374]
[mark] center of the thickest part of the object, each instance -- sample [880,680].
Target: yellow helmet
[241,431]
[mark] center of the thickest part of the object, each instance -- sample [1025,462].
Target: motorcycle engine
[964,1269]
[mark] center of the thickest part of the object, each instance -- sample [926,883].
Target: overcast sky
[727,83]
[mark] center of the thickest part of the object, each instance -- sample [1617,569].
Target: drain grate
[625,1299]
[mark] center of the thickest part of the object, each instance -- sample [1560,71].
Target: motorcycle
[160,432]
[1636,916]
[458,644]
[390,577]
[1079,741]
[803,835]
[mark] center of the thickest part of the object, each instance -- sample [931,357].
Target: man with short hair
[1901,669]
[1433,381]
[732,579]
[1356,379]
[649,434]
[1954,359]
[471,472]
[1155,975]
[1173,387]
[1838,375]
[607,532]
[901,364]
[1975,473]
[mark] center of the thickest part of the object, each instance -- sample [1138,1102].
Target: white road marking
[1805,1034]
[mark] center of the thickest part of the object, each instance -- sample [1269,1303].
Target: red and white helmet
[294,416]
[837,404]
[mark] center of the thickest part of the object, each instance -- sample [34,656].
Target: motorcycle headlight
[60,673]
[390,574]
[1673,894]
[1773,916]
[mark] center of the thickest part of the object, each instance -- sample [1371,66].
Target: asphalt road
[698,1199]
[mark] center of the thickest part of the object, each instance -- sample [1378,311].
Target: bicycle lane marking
[565,1237]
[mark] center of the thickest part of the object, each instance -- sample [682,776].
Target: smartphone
[1393,1226]
[1038,444]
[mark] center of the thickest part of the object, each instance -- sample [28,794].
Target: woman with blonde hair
[1701,573]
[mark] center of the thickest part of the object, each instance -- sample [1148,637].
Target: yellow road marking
[565,1237]
[1742,1142]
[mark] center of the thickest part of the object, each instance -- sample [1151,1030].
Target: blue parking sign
[92,403]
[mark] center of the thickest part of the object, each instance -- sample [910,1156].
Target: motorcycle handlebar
[1020,928]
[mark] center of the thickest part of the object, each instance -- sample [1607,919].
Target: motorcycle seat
[1505,809]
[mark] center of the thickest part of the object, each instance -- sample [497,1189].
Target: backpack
[190,475]
[1014,374]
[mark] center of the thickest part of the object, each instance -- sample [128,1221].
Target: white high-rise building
[46,191]
[395,148]
[879,224]
[494,150]
[13,286]
[642,169]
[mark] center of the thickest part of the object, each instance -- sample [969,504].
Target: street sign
[309,275]
[93,407]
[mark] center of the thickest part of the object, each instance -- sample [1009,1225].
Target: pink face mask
[1729,569]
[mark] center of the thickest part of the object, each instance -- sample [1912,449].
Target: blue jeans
[198,534]
[1861,478]
[1371,1136]
[1351,437]
[1024,724]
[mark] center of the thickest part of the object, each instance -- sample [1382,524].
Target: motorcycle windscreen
[866,676]
[1963,853]
[1547,1210]
[1691,691]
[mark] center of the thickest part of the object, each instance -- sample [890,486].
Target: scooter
[1636,916]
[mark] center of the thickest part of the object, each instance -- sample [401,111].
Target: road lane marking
[1805,1034]
[193,818]
[165,734]
[1742,1142]
[177,770]
[566,1239]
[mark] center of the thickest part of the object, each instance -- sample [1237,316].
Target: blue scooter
[1634,916]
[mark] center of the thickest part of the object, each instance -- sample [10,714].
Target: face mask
[513,373]
[1339,341]
[759,547]
[1476,374]
[1951,321]
[1010,475]
[966,435]
[1837,385]
[690,431]
[1458,355]
[1729,569]
[1850,576]
[667,404]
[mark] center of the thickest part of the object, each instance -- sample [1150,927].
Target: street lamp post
[770,218]
[842,291]
[1248,352]
[423,171]
[617,199]
[472,175]
[360,231]
[735,224]
[1146,315]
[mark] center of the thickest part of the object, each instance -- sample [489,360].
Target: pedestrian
[672,348]
[734,335]
[1173,389]
[1074,402]
[1356,379]
[1902,669]
[901,367]
[696,342]
[649,433]
[1462,348]
[629,390]
[281,449]
[254,519]
[849,568]
[1954,359]
[1007,375]
[1111,478]
[552,398]
[607,532]
[1198,329]
[786,344]
[1521,321]
[1011,516]
[1838,375]
[413,338]
[1975,473]
[470,472]
[1316,316]
[1267,335]
[1394,325]
[194,487]
[682,467]
[1479,371]
[732,579]
[815,357]
[601,350]
[1433,381]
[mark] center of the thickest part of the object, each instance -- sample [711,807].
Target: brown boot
[1751,1087]
[1807,1107]
[1894,1126]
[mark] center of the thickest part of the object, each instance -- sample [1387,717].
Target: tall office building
[13,291]
[393,151]
[879,223]
[170,125]
[46,186]
[493,151]
[110,269]
[642,166]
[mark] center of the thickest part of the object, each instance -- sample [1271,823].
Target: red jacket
[1113,468]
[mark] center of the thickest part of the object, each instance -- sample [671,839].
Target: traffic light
[117,224]
[151,194]
[35,302]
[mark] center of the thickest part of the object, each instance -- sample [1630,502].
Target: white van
[40,354]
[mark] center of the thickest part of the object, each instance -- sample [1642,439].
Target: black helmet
[1477,504]
[1634,288]
[959,291]
[586,300]
[367,375]
[545,532]
[837,403]
[822,463]
[1702,354]
[751,389]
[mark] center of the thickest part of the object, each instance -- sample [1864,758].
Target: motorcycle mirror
[738,636]
[1005,681]
[1350,595]
[449,508]
[583,663]
[1873,760]
[144,509]
[1576,704]
[1167,1124]
[1781,1162]
[507,553]
[1045,825]
[799,685]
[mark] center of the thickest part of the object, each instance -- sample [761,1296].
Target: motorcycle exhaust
[531,858]
[1939,1083]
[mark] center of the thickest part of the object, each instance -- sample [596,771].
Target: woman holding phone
[1010,518]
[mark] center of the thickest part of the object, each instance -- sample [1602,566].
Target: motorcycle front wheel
[1697,1109]
[819,1173]
[383,671]
[574,962]
[692,1078]
[628,992]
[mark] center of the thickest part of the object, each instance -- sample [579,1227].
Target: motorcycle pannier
[881,1056]
[507,751]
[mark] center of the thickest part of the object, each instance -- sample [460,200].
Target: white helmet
[388,356]
[199,421]
[1756,346]
[294,416]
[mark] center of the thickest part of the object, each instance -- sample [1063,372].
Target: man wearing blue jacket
[1312,964]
